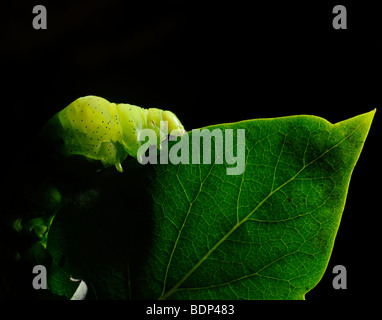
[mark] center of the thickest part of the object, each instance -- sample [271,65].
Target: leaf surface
[195,232]
[265,234]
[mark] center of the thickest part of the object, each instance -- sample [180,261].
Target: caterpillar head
[155,116]
[174,125]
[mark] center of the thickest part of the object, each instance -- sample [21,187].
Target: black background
[222,62]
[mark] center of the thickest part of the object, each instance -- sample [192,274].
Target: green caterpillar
[93,127]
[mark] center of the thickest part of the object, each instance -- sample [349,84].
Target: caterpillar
[93,127]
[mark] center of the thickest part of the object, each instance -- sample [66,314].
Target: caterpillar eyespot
[93,127]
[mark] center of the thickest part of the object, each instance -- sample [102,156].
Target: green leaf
[190,231]
[265,234]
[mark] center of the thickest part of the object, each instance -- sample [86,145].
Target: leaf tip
[369,117]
